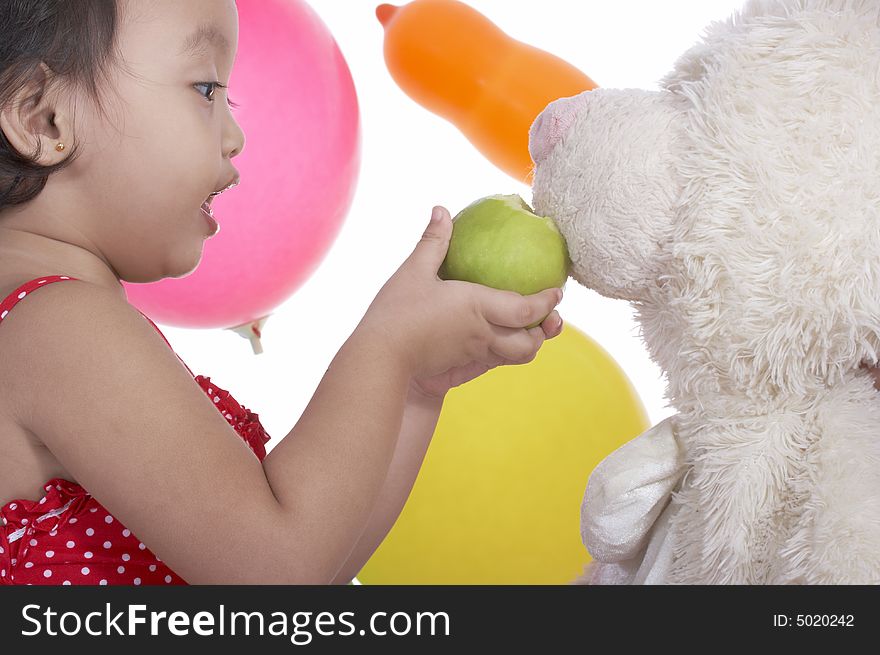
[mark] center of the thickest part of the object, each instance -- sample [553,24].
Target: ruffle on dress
[67,537]
[25,522]
[63,500]
[245,422]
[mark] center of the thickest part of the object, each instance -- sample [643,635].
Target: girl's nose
[551,124]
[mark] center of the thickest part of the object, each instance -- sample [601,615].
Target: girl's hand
[436,386]
[447,332]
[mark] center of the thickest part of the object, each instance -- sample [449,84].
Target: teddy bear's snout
[605,173]
[551,124]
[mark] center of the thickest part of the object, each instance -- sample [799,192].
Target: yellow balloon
[497,500]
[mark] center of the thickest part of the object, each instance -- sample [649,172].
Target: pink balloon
[299,168]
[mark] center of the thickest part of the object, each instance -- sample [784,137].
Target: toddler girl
[118,465]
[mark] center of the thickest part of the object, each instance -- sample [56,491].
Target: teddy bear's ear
[605,172]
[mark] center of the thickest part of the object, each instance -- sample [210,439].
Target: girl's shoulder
[23,314]
[38,311]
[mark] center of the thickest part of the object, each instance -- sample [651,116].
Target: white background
[412,160]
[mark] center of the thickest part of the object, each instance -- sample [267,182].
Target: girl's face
[170,144]
[133,196]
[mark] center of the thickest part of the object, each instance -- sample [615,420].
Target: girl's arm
[341,449]
[420,416]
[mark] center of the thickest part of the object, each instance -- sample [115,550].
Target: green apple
[500,242]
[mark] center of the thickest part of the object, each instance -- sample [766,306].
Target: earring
[59,147]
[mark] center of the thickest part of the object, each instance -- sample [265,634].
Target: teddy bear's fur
[738,210]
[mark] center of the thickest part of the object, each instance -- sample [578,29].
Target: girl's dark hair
[75,40]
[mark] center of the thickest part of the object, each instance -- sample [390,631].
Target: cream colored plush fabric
[738,209]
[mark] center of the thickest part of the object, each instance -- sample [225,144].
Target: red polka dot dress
[67,537]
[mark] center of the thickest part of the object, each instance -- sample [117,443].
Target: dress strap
[13,298]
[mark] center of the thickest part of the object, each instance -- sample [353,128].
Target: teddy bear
[737,209]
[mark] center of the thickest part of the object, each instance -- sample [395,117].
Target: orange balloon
[456,63]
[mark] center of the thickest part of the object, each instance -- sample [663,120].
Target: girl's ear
[33,121]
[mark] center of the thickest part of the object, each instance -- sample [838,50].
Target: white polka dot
[41,282]
[167,578]
[210,390]
[126,557]
[64,277]
[33,542]
[50,553]
[66,582]
[2,573]
[70,544]
[84,570]
[54,533]
[108,519]
[87,554]
[152,567]
[216,399]
[1,550]
[93,510]
[137,581]
[58,487]
[143,547]
[22,295]
[14,561]
[3,315]
[126,532]
[13,506]
[103,582]
[90,531]
[42,500]
[107,544]
[28,565]
[73,520]
[47,573]
[120,569]
[24,521]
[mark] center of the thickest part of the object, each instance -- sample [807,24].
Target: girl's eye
[210,96]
